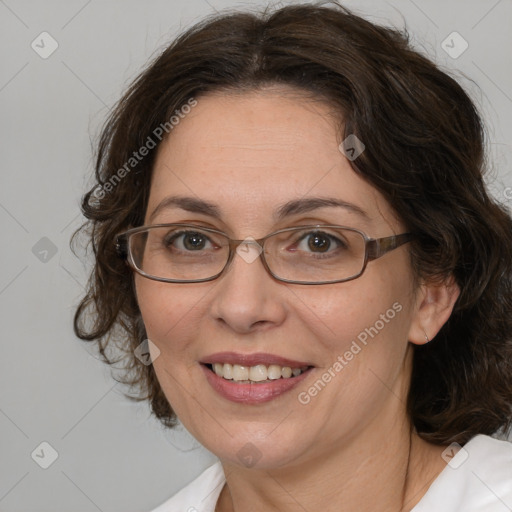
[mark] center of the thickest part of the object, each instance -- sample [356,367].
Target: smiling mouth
[258,374]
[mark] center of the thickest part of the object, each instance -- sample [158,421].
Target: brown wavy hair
[424,153]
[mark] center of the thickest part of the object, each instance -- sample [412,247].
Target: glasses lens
[315,254]
[179,253]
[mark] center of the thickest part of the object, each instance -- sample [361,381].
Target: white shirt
[477,479]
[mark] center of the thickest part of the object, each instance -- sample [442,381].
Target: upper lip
[252,359]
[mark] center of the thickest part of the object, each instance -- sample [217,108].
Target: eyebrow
[190,204]
[308,204]
[293,207]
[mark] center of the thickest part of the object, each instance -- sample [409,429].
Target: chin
[253,451]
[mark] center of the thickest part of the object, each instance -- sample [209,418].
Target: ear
[434,306]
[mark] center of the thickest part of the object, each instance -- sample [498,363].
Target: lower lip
[252,393]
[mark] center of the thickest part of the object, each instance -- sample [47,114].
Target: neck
[391,471]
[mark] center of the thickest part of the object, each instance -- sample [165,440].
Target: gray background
[111,455]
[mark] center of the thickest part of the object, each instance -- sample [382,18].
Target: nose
[247,298]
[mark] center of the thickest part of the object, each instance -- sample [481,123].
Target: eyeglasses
[316,254]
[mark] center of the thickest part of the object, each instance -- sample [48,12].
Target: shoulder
[200,495]
[477,479]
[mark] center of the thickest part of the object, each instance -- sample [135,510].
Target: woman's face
[248,154]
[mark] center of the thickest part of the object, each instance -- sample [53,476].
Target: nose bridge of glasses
[249,249]
[248,241]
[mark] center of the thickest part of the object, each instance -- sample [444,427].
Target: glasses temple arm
[380,246]
[121,246]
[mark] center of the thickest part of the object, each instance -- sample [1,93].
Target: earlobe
[434,307]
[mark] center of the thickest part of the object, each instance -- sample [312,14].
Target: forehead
[250,152]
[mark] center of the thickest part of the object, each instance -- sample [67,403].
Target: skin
[351,447]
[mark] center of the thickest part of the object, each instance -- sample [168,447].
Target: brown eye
[318,242]
[193,241]
[187,241]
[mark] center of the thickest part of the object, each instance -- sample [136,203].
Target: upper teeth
[256,373]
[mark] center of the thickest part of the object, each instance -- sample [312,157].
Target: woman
[290,216]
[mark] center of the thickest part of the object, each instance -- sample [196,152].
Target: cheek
[359,309]
[361,329]
[361,332]
[170,313]
[171,317]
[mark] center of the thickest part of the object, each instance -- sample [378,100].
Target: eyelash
[301,237]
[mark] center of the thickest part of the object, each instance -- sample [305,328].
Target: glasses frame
[374,249]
